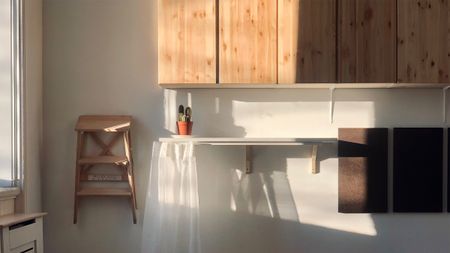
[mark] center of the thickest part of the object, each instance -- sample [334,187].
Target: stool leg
[132,167]
[133,207]
[80,146]
[76,198]
[127,147]
[132,184]
[133,193]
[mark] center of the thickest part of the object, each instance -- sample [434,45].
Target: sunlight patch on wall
[354,114]
[316,198]
[170,110]
[216,105]
[189,99]
[283,119]
[264,194]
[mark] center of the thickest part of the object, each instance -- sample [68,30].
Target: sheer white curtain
[171,212]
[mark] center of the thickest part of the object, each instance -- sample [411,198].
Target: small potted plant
[184,123]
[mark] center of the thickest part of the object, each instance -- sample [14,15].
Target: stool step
[114,192]
[117,160]
[103,123]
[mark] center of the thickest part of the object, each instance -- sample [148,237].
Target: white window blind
[6,173]
[10,91]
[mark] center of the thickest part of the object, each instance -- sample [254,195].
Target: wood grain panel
[247,41]
[186,41]
[306,41]
[418,169]
[363,173]
[347,41]
[367,41]
[423,41]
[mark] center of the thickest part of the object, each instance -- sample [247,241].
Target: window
[10,92]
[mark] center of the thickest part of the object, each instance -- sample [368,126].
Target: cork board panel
[363,170]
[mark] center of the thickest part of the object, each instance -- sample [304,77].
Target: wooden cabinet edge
[305,86]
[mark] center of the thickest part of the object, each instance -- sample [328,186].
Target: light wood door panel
[367,41]
[423,41]
[247,41]
[186,41]
[306,41]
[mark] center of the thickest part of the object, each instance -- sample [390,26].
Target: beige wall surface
[33,112]
[100,57]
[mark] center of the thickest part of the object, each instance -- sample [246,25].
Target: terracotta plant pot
[184,128]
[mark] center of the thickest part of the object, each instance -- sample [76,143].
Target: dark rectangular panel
[363,170]
[418,169]
[448,169]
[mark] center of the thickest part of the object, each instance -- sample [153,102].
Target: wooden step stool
[119,127]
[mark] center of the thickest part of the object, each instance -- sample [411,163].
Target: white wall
[100,58]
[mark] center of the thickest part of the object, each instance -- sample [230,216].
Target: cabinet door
[247,41]
[186,41]
[423,41]
[306,41]
[367,41]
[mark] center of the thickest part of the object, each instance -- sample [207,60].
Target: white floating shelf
[244,141]
[249,142]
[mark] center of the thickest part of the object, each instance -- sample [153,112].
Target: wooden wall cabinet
[186,41]
[303,41]
[423,41]
[247,41]
[306,41]
[367,41]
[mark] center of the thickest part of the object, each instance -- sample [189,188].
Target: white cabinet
[27,248]
[22,233]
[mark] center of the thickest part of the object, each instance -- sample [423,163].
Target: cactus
[180,112]
[184,114]
[188,114]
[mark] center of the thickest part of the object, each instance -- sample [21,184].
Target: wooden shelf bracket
[314,166]
[248,159]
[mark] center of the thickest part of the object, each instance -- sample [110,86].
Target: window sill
[9,193]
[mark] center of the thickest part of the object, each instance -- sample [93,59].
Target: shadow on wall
[281,207]
[275,208]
